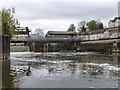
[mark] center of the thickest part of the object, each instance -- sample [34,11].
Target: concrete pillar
[4,46]
[115,46]
[78,46]
[0,51]
[32,46]
[46,47]
[75,45]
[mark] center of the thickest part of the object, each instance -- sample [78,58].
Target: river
[61,70]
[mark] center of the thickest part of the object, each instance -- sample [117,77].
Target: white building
[117,22]
[114,23]
[112,33]
[111,24]
[95,35]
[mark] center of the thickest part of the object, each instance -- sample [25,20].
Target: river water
[62,70]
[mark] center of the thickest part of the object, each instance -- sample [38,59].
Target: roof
[115,19]
[60,33]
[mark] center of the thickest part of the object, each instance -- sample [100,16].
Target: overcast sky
[57,15]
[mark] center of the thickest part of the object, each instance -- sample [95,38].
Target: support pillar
[75,45]
[78,46]
[46,47]
[4,46]
[115,46]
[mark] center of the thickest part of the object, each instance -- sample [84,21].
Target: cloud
[65,10]
[53,15]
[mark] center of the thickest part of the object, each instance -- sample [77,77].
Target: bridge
[74,41]
[38,39]
[70,40]
[59,40]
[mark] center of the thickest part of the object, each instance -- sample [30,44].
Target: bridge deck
[46,40]
[101,41]
[75,39]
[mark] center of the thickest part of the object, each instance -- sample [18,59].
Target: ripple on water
[61,70]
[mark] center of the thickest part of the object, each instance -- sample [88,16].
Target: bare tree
[39,32]
[81,27]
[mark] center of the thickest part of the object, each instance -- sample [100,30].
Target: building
[112,33]
[97,34]
[114,23]
[117,22]
[111,24]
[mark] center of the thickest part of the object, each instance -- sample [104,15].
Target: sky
[57,15]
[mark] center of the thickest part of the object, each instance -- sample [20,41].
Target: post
[4,42]
[45,47]
[75,46]
[0,51]
[78,47]
[4,46]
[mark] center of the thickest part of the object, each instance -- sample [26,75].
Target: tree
[81,27]
[39,32]
[94,25]
[71,28]
[9,23]
[100,25]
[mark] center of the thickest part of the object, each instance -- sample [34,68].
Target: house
[111,24]
[112,33]
[114,23]
[117,22]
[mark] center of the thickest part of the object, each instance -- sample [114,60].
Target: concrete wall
[100,46]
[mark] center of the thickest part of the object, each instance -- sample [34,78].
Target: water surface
[63,70]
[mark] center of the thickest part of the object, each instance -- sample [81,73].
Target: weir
[72,43]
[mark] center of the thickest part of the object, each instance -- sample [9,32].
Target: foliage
[100,25]
[94,25]
[71,28]
[9,23]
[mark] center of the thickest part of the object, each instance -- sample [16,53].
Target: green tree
[94,25]
[100,25]
[9,23]
[71,28]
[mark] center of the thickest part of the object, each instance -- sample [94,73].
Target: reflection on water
[6,78]
[61,70]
